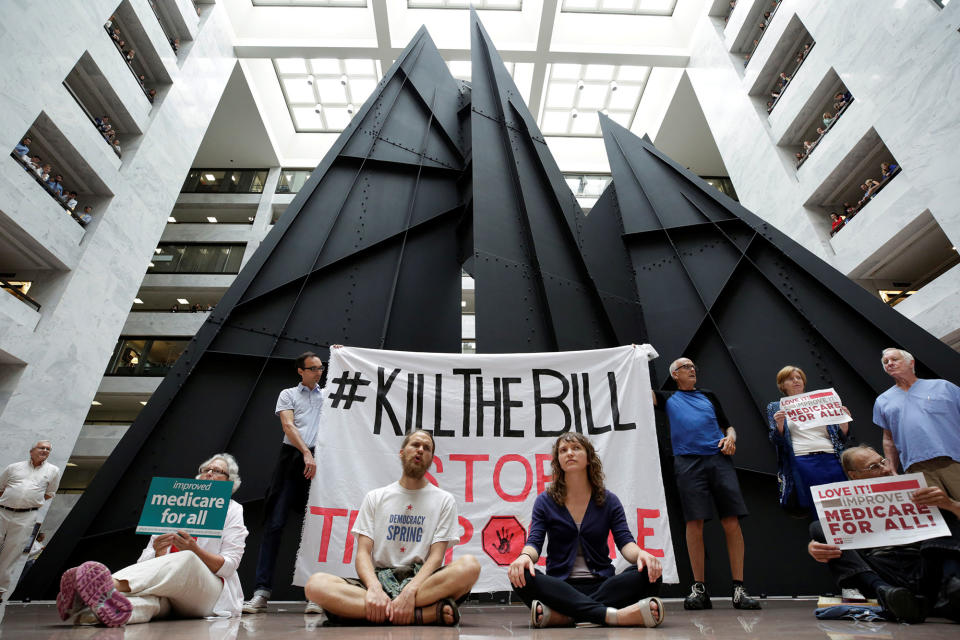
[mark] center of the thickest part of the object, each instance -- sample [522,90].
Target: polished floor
[786,619]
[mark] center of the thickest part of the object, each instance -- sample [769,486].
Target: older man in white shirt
[24,486]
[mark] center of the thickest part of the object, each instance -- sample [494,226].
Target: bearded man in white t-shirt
[402,530]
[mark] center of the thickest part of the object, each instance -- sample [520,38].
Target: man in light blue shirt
[921,423]
[299,409]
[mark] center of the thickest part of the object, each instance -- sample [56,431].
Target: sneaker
[698,598]
[742,600]
[312,607]
[256,604]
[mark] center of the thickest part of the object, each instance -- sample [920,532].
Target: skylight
[521,72]
[629,7]
[503,5]
[309,3]
[576,92]
[322,94]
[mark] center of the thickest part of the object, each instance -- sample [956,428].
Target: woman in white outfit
[175,575]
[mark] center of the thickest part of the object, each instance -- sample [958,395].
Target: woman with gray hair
[175,575]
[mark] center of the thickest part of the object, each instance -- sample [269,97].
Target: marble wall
[899,59]
[93,274]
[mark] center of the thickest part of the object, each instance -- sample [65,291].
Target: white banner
[494,418]
[814,409]
[877,512]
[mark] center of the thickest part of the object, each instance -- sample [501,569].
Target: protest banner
[494,418]
[814,409]
[876,512]
[198,507]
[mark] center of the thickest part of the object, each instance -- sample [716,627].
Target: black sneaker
[698,598]
[900,604]
[742,600]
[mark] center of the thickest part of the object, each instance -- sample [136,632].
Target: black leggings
[587,600]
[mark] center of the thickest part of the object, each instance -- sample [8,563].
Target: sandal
[648,618]
[439,621]
[96,590]
[546,613]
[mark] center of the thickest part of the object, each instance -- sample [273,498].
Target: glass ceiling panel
[322,94]
[502,5]
[309,3]
[575,93]
[629,7]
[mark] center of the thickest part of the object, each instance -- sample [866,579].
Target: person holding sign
[175,575]
[911,580]
[578,515]
[806,456]
[402,531]
[703,443]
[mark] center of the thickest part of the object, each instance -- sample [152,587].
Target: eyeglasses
[686,366]
[876,466]
[215,470]
[312,368]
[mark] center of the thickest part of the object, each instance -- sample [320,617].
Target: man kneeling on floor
[400,577]
[911,581]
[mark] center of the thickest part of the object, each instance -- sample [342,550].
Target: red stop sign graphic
[503,538]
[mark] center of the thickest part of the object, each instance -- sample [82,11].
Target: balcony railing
[225,181]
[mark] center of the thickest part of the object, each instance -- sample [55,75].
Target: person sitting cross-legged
[401,580]
[577,515]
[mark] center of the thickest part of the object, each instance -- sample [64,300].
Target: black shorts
[707,480]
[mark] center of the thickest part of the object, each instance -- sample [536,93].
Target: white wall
[899,59]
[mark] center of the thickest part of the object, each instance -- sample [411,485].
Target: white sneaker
[256,604]
[312,607]
[851,594]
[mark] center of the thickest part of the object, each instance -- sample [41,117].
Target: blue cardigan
[786,464]
[598,521]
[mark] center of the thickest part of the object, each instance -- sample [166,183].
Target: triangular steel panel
[367,245]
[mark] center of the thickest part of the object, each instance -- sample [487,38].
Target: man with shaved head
[24,486]
[920,419]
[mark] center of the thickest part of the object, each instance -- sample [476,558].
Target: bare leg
[121,585]
[343,599]
[731,529]
[456,580]
[695,548]
[336,595]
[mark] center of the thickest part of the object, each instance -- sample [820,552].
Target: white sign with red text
[494,419]
[877,512]
[814,409]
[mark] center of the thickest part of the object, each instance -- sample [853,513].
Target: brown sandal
[418,613]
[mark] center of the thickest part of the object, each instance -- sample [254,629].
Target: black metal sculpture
[433,176]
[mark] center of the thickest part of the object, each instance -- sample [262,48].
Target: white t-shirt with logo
[403,523]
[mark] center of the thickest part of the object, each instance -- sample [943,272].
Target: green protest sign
[198,507]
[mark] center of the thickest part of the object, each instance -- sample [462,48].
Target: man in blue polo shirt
[705,476]
[299,409]
[920,419]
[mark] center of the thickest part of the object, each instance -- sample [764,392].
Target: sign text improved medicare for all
[186,500]
[177,504]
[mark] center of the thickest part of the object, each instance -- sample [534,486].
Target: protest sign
[494,418]
[814,409]
[876,512]
[198,507]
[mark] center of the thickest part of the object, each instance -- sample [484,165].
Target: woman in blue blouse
[578,514]
[805,457]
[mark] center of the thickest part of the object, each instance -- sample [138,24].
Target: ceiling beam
[381,24]
[652,57]
[544,38]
